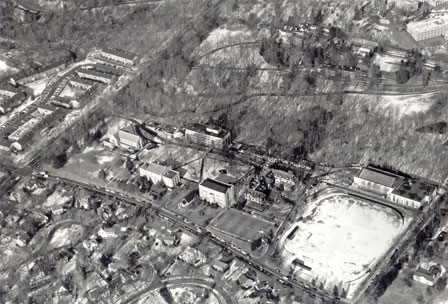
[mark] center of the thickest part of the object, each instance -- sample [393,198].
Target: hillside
[221,71]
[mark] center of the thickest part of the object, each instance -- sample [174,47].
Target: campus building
[217,192]
[160,173]
[405,191]
[208,135]
[377,180]
[428,28]
[285,178]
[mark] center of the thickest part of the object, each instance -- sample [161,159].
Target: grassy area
[242,225]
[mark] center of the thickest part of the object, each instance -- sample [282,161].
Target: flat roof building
[377,180]
[208,135]
[216,192]
[428,28]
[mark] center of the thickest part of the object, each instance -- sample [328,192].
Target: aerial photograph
[223,151]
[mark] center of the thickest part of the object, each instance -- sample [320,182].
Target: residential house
[245,282]
[188,199]
[57,209]
[119,56]
[217,192]
[170,240]
[208,135]
[220,266]
[428,273]
[193,257]
[257,191]
[159,173]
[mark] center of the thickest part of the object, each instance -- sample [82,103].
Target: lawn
[341,238]
[241,225]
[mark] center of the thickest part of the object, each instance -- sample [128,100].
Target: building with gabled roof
[220,266]
[8,90]
[82,83]
[120,56]
[216,192]
[159,173]
[94,75]
[377,180]
[428,273]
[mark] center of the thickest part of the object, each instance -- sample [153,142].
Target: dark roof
[5,143]
[52,65]
[120,53]
[201,128]
[190,196]
[170,173]
[8,88]
[414,189]
[215,185]
[107,69]
[82,80]
[95,73]
[378,176]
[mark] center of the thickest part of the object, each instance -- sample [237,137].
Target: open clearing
[65,236]
[340,238]
[241,225]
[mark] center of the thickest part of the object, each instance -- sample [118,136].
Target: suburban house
[119,56]
[220,266]
[170,240]
[377,180]
[208,135]
[159,173]
[188,199]
[428,273]
[257,190]
[95,76]
[81,83]
[217,192]
[58,208]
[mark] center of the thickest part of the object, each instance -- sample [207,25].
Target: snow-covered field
[341,238]
[407,104]
[4,67]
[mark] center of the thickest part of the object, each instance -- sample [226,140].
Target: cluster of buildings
[405,191]
[429,28]
[26,76]
[32,122]
[10,98]
[158,173]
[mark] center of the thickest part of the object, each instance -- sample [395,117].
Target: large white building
[428,28]
[159,173]
[208,135]
[405,191]
[94,75]
[217,192]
